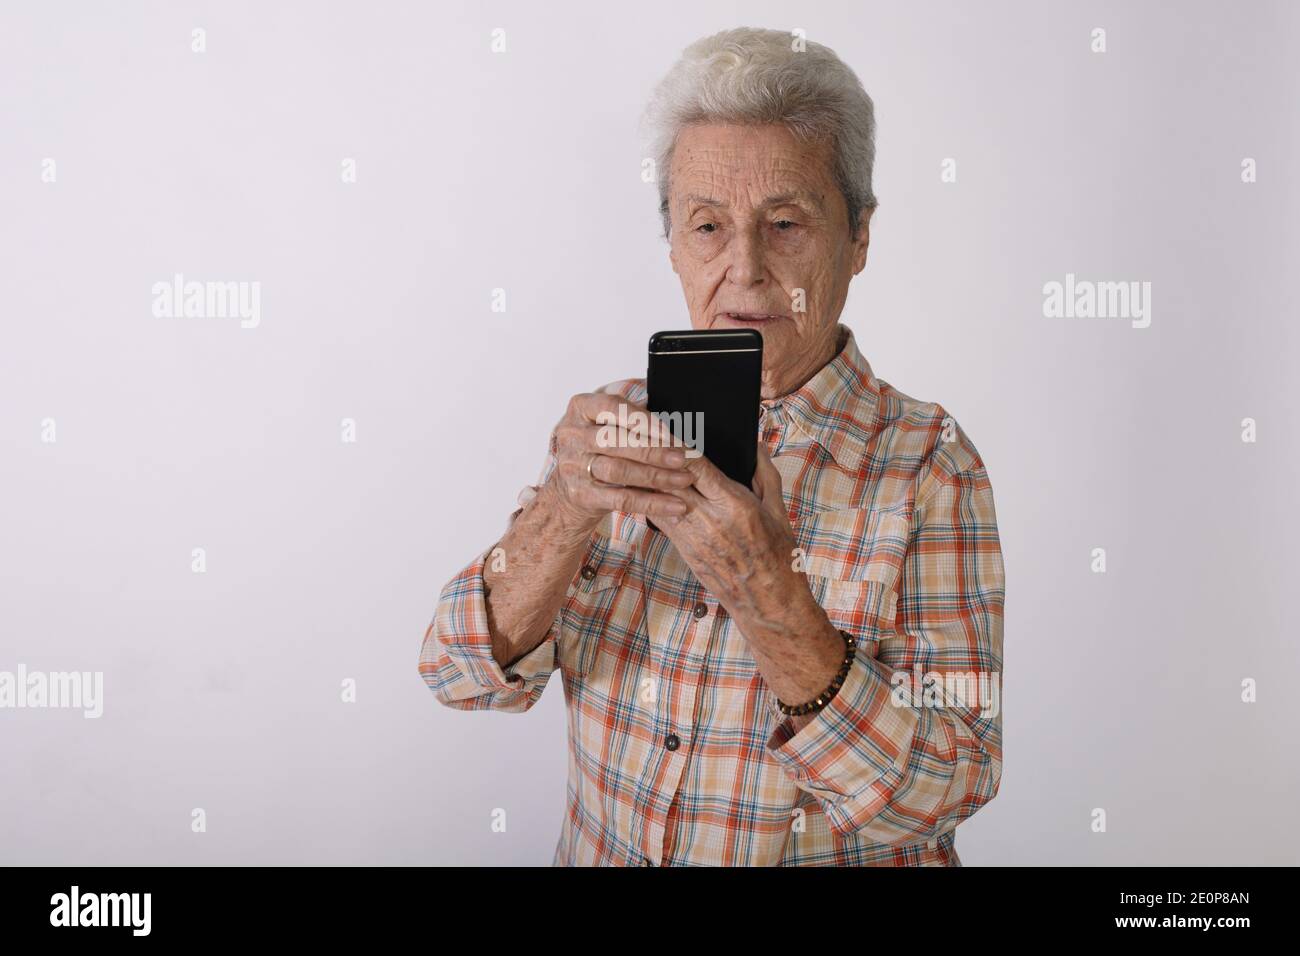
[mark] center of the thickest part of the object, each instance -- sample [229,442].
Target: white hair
[749,77]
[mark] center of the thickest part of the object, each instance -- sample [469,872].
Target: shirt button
[701,609]
[672,741]
[588,572]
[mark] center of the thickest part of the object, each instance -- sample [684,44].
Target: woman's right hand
[602,466]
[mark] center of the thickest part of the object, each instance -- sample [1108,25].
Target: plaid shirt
[678,754]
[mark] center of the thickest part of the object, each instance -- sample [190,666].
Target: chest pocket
[592,603]
[854,560]
[865,609]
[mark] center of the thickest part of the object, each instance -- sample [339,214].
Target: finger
[625,471]
[589,406]
[767,480]
[648,426]
[636,501]
[580,441]
[691,496]
[629,431]
[709,479]
[631,421]
[660,457]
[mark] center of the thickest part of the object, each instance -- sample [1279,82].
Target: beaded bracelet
[825,697]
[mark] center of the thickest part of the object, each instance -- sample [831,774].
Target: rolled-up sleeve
[456,659]
[888,759]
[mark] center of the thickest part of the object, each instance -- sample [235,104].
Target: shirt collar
[838,407]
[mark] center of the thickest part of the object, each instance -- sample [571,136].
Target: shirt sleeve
[456,658]
[912,743]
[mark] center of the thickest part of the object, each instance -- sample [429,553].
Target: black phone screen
[706,385]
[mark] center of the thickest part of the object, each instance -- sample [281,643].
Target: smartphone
[706,385]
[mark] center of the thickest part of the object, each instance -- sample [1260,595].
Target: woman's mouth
[751,318]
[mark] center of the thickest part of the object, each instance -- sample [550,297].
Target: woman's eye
[783,225]
[706,227]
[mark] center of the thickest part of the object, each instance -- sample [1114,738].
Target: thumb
[767,482]
[709,479]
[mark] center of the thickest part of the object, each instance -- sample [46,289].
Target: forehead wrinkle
[707,184]
[807,197]
[752,175]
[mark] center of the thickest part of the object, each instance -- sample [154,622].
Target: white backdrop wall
[521,170]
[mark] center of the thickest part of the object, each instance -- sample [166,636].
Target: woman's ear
[861,243]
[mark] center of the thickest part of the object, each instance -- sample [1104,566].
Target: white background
[521,171]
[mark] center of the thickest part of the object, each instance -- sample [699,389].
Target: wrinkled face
[760,240]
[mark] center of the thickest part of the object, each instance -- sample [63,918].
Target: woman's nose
[747,266]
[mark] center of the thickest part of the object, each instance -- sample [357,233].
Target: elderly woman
[754,675]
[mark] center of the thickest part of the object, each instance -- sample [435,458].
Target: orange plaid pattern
[678,754]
